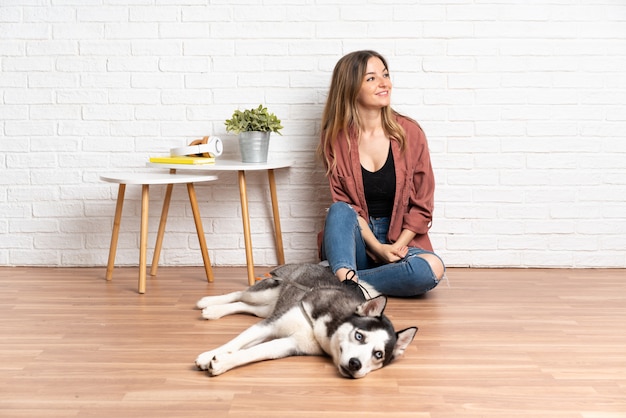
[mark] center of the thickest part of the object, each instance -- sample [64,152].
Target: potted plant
[254,127]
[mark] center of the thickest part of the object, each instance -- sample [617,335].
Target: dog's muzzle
[354,365]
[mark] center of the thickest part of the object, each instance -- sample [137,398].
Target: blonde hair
[341,113]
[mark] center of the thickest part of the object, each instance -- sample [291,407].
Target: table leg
[116,230]
[143,242]
[280,252]
[161,233]
[245,217]
[200,230]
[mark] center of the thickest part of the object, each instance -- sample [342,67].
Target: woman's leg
[343,245]
[344,248]
[413,275]
[436,264]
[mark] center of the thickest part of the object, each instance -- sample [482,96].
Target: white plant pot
[254,146]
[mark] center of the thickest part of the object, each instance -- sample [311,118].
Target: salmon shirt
[415,183]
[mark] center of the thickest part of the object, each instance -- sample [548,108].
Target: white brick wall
[523,104]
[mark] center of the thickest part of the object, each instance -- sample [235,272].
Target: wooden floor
[492,343]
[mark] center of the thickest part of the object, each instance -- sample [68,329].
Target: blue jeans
[344,247]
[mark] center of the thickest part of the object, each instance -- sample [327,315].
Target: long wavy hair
[341,112]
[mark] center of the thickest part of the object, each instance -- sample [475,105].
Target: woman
[381,182]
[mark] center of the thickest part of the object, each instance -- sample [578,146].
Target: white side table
[222,164]
[145,179]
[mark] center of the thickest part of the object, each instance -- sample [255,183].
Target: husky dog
[307,311]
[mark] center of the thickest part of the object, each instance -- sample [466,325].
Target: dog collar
[306,315]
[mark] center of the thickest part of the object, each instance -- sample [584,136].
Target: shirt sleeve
[418,217]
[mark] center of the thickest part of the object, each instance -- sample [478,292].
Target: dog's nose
[354,364]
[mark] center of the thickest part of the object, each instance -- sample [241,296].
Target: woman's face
[375,92]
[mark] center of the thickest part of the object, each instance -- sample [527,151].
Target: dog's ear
[404,338]
[285,270]
[372,307]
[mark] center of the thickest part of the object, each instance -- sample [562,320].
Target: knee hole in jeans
[435,264]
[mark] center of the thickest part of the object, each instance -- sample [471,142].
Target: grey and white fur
[307,311]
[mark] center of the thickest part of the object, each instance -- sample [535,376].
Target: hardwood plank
[492,343]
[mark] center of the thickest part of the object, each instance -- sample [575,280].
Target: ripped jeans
[344,247]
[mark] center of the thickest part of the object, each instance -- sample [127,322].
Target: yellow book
[182,159]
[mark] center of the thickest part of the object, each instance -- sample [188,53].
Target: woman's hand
[388,253]
[385,253]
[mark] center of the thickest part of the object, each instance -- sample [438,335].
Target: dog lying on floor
[307,311]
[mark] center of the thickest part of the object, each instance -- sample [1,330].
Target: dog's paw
[212,312]
[204,360]
[217,365]
[204,302]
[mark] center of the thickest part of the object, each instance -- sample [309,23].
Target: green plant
[257,119]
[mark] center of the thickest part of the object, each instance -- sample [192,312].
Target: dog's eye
[378,355]
[358,336]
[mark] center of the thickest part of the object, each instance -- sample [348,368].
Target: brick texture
[524,105]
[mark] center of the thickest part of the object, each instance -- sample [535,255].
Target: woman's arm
[385,253]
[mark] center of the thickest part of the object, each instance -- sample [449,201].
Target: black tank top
[380,188]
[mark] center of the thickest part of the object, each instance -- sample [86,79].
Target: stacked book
[200,151]
[182,159]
